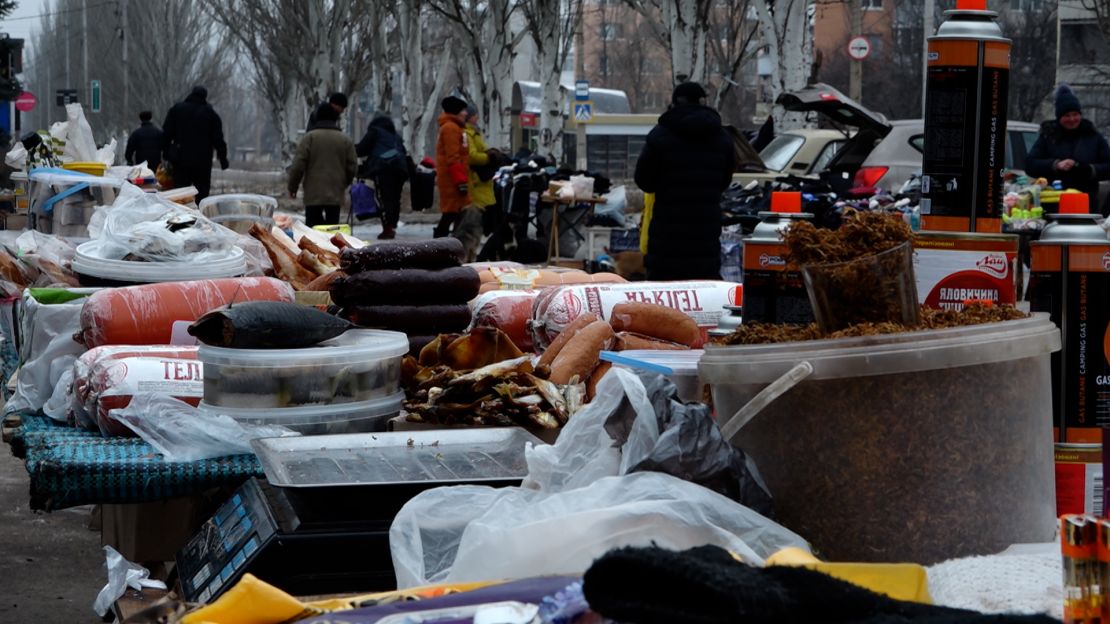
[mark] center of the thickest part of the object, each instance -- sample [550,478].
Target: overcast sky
[23,21]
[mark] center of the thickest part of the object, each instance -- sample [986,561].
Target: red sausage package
[507,310]
[703,301]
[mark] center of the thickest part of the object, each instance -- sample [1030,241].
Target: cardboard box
[149,532]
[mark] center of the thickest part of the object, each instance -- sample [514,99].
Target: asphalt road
[51,564]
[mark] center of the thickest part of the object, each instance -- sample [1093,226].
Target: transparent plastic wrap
[183,433]
[146,227]
[471,533]
[121,575]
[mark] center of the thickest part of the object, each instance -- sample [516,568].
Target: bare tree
[552,24]
[786,29]
[1032,66]
[683,27]
[419,107]
[732,38]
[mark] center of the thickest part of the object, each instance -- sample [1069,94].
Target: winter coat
[1084,145]
[191,133]
[326,161]
[687,161]
[481,193]
[144,145]
[452,164]
[383,150]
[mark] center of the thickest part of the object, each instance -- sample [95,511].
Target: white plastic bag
[80,145]
[16,158]
[611,213]
[106,154]
[183,433]
[583,186]
[121,575]
[48,350]
[58,403]
[573,508]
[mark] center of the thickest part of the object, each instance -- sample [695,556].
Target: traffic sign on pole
[26,102]
[582,90]
[584,111]
[94,97]
[859,48]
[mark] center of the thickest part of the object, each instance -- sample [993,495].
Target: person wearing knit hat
[687,161]
[452,165]
[1070,149]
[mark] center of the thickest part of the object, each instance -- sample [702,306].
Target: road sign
[582,90]
[65,96]
[94,90]
[529,120]
[26,102]
[859,48]
[584,111]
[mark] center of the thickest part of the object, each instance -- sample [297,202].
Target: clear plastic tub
[918,447]
[873,289]
[360,365]
[359,417]
[239,212]
[94,270]
[681,367]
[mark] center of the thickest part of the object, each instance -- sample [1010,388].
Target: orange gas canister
[773,291]
[1070,279]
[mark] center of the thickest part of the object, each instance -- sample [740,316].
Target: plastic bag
[106,154]
[79,143]
[58,404]
[183,433]
[364,201]
[573,507]
[145,226]
[583,186]
[53,248]
[611,213]
[121,575]
[48,350]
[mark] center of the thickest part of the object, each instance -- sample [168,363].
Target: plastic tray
[314,420]
[396,458]
[87,262]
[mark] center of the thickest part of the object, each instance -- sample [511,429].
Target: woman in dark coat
[1070,149]
[687,161]
[388,165]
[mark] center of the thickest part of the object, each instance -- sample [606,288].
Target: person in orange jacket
[452,164]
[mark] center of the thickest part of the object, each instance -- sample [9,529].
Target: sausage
[557,345]
[114,379]
[507,310]
[656,321]
[595,378]
[628,341]
[323,283]
[414,320]
[582,353]
[406,287]
[440,253]
[144,315]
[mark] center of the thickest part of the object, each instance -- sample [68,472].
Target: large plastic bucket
[919,446]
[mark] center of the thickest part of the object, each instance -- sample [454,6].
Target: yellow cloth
[900,581]
[649,203]
[254,601]
[481,193]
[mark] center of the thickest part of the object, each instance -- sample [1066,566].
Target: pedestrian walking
[687,161]
[452,164]
[337,101]
[145,143]
[326,162]
[1070,149]
[387,164]
[191,134]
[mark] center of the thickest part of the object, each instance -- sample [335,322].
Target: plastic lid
[354,346]
[971,5]
[786,202]
[87,261]
[265,200]
[313,414]
[1075,203]
[905,352]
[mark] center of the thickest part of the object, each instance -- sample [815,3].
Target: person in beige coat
[326,162]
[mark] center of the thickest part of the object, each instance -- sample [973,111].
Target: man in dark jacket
[1070,149]
[338,103]
[687,161]
[387,163]
[191,133]
[145,143]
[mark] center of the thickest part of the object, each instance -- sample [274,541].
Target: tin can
[773,291]
[1079,487]
[1070,279]
[952,267]
[966,92]
[1078,537]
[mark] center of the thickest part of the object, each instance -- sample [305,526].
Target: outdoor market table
[70,467]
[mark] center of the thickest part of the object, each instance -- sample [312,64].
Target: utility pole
[580,74]
[85,49]
[68,83]
[855,78]
[126,71]
[929,27]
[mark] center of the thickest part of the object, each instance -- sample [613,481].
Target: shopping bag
[364,201]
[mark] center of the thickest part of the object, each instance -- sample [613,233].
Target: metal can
[773,291]
[1079,487]
[952,267]
[1070,279]
[966,89]
[1078,535]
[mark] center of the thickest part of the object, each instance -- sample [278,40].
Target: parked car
[803,152]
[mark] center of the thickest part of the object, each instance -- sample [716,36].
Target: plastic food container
[239,212]
[681,367]
[913,447]
[93,270]
[889,291]
[360,365]
[62,202]
[357,417]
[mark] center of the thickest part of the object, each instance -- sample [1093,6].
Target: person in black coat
[1070,149]
[191,133]
[388,164]
[338,103]
[145,143]
[687,161]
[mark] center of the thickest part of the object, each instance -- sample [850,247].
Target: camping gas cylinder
[1070,279]
[773,291]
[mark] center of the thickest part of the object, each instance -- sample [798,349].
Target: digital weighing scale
[319,523]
